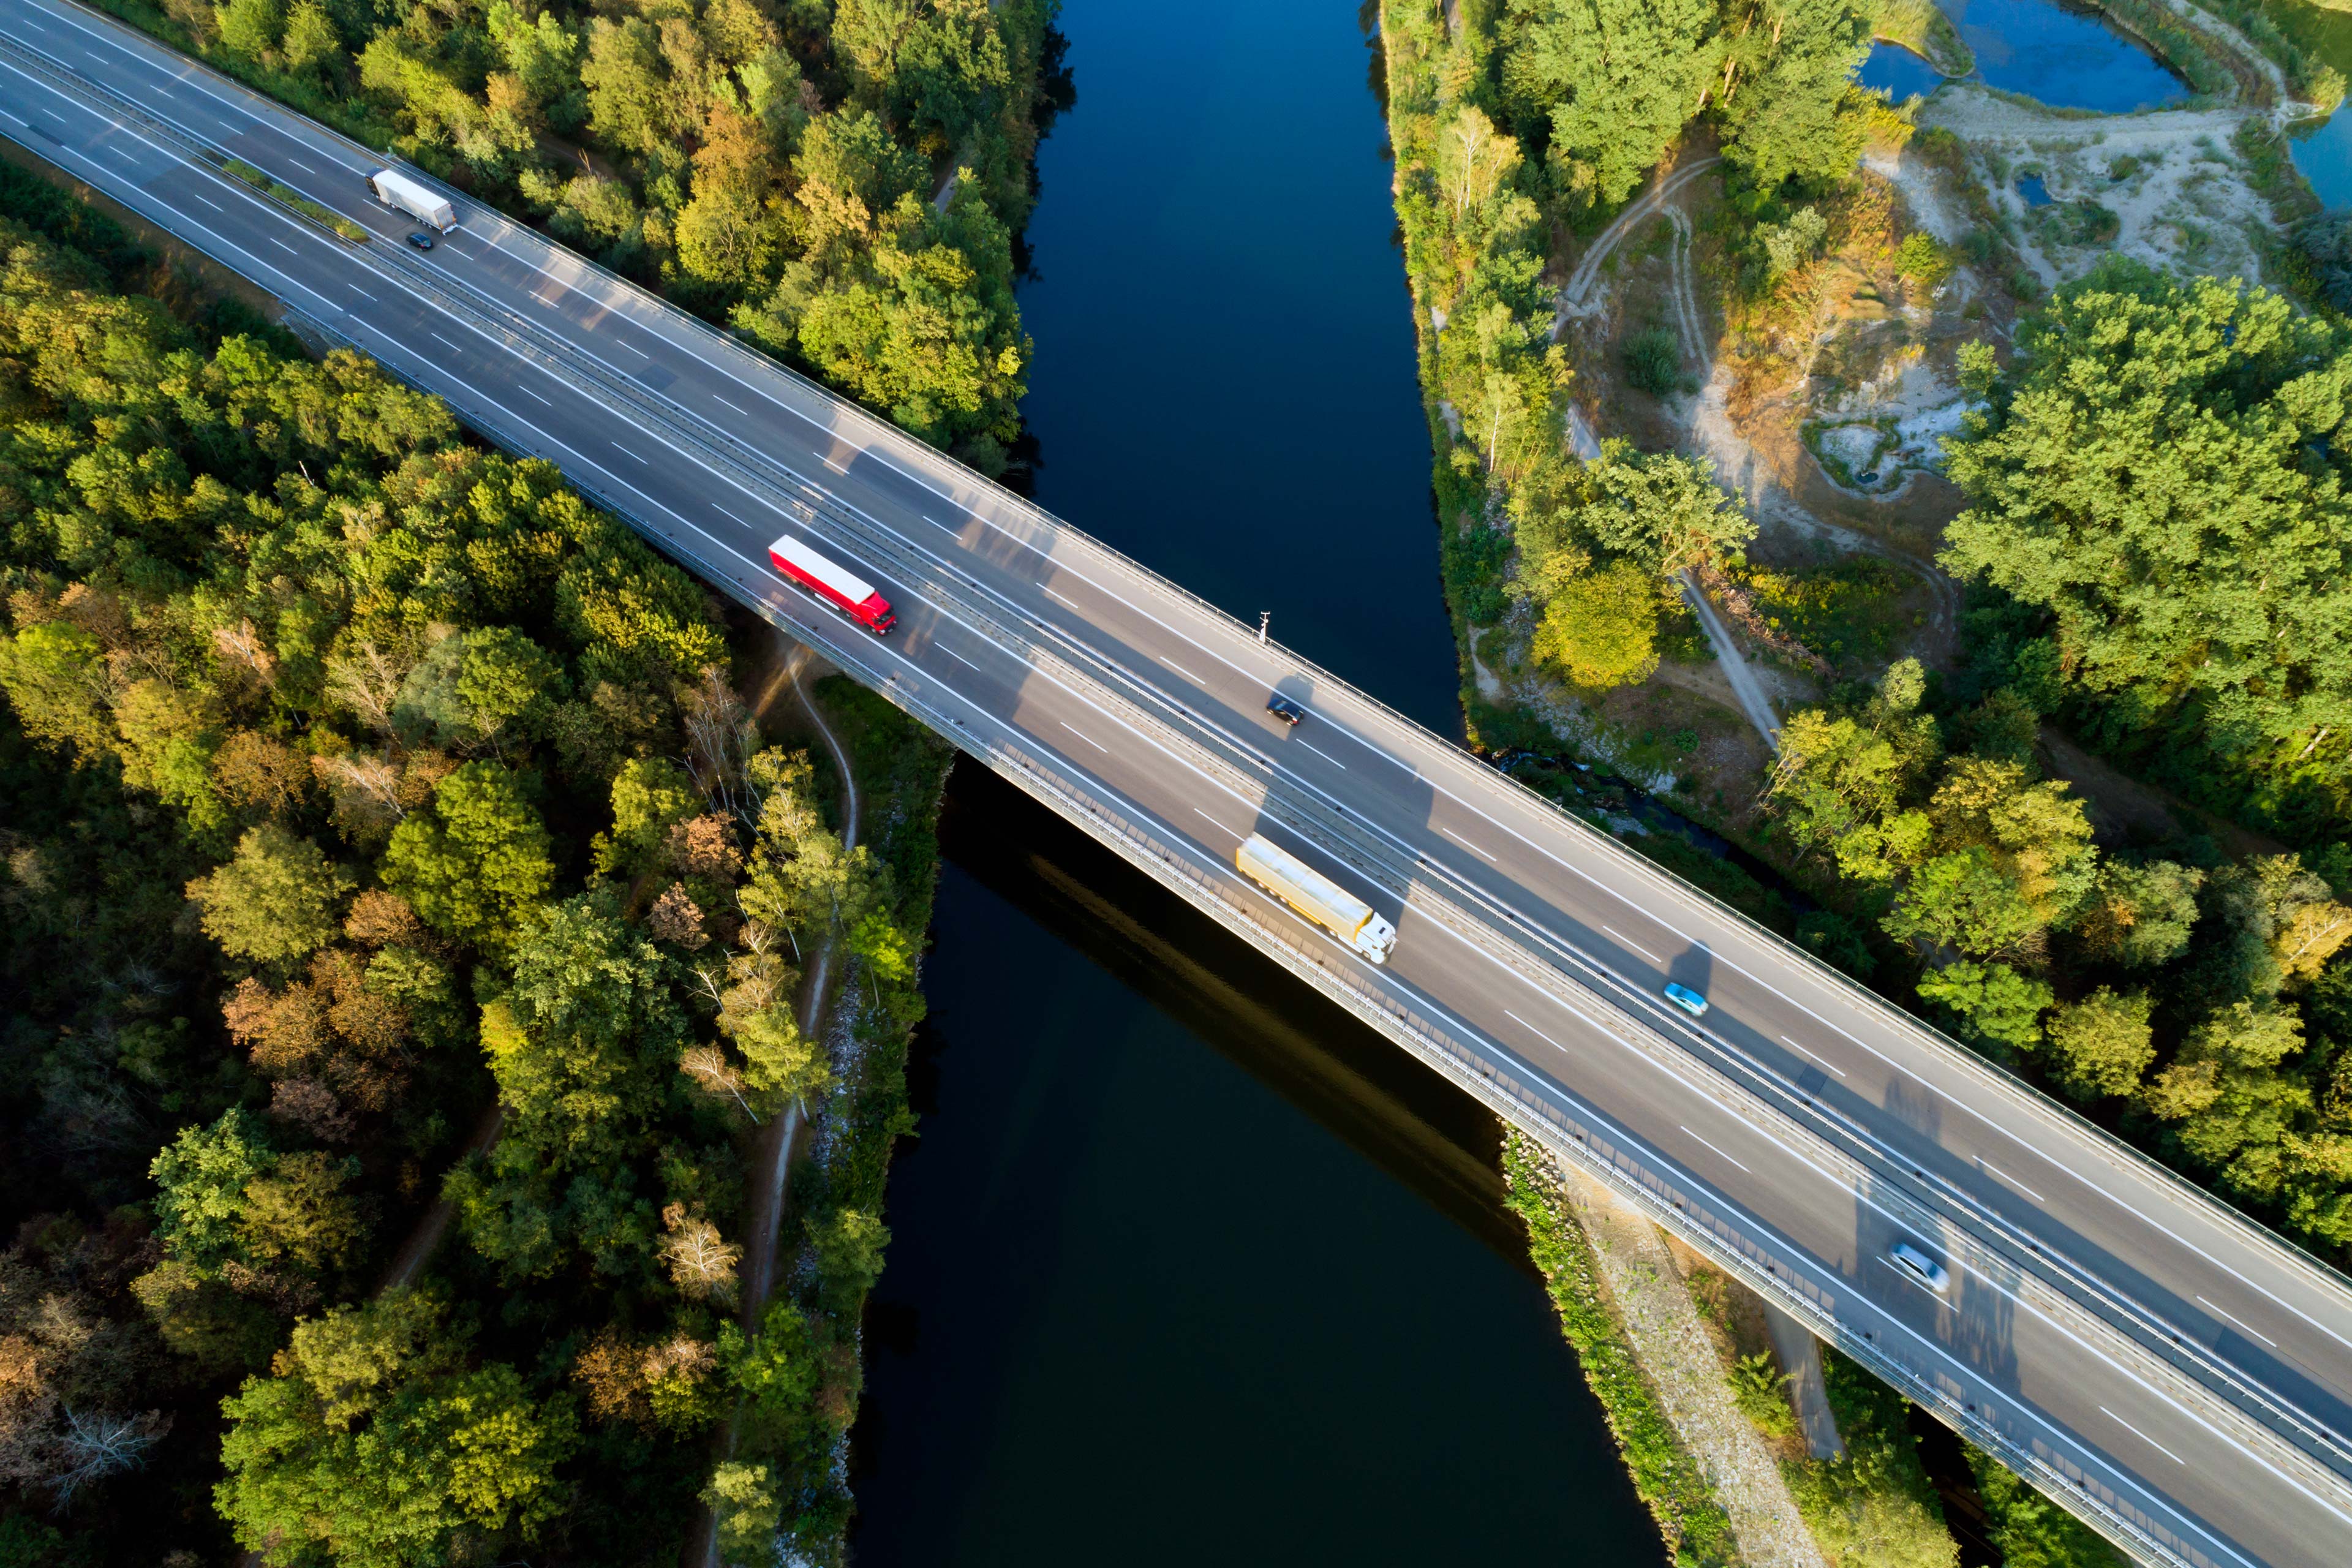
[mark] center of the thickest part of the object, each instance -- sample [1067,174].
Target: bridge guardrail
[627,512]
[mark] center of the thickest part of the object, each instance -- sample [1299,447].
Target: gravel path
[1670,1342]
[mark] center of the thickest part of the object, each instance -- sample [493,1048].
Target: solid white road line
[1082,735]
[305,289]
[1687,1133]
[1626,941]
[2239,1321]
[1465,843]
[1822,1060]
[1993,1170]
[2141,1435]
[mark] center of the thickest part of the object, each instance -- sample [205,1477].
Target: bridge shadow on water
[1257,1303]
[1355,1083]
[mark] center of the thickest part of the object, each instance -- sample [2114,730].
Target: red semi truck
[834,582]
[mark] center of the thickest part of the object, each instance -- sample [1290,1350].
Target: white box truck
[397,190]
[1316,896]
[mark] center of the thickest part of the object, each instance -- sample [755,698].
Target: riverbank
[1810,346]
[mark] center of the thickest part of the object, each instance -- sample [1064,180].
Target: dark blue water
[2032,191]
[1897,72]
[2324,156]
[1188,1269]
[2059,55]
[1225,383]
[2062,57]
[1187,1266]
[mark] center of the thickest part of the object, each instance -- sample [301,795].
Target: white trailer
[394,189]
[1316,896]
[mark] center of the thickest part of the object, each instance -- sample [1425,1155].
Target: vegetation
[1698,1532]
[1875,1508]
[324,217]
[1921,26]
[2031,1531]
[353,779]
[840,182]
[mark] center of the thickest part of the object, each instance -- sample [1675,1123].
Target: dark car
[422,240]
[1284,708]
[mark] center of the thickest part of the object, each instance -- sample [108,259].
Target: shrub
[1654,361]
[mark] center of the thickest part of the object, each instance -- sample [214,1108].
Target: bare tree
[701,1262]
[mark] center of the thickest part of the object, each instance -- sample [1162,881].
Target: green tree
[1994,1003]
[849,1244]
[1618,79]
[2101,1046]
[251,27]
[477,862]
[2165,484]
[277,900]
[2029,1530]
[1963,900]
[311,43]
[200,1178]
[577,1043]
[379,1442]
[1662,511]
[1601,628]
[742,1501]
[2143,914]
[1788,97]
[650,796]
[55,675]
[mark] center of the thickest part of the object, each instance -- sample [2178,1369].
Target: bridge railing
[876,434]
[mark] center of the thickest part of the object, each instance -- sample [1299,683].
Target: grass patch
[1875,1506]
[1697,1532]
[1921,26]
[286,195]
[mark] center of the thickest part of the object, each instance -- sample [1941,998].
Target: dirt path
[434,1223]
[772,1159]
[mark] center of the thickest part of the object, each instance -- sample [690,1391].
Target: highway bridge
[2175,1375]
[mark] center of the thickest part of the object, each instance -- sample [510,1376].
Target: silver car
[1919,1266]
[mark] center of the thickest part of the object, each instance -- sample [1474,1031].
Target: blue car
[1689,1000]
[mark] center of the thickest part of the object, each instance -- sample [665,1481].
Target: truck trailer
[836,585]
[1316,896]
[394,189]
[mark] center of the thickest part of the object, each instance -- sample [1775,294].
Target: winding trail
[772,1161]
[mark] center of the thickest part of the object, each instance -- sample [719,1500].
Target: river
[1186,1265]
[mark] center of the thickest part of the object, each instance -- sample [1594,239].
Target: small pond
[2060,54]
[2035,193]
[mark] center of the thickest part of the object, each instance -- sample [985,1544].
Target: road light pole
[1264,618]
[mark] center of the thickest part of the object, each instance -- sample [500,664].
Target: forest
[387,847]
[2156,535]
[840,181]
[2170,589]
[2152,552]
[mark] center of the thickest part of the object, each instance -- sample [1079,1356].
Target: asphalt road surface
[2175,1374]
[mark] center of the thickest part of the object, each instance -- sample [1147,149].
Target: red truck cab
[801,562]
